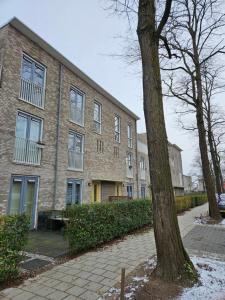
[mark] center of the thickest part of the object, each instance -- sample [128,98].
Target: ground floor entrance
[102,190]
[23,197]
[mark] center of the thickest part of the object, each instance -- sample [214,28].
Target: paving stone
[51,282]
[57,295]
[42,290]
[93,286]
[89,296]
[96,278]
[12,292]
[98,271]
[63,286]
[23,296]
[84,274]
[68,278]
[76,290]
[109,274]
[81,282]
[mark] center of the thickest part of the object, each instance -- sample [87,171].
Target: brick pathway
[206,239]
[93,273]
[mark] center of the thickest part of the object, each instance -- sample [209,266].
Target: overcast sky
[86,33]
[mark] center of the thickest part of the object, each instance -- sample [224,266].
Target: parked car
[221,203]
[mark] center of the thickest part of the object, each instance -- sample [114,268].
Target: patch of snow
[144,279]
[222,222]
[212,280]
[129,295]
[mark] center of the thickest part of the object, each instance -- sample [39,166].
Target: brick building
[63,138]
[175,166]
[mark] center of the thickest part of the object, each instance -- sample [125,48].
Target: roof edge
[24,29]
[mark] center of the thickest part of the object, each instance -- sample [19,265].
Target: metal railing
[142,174]
[27,151]
[31,92]
[75,160]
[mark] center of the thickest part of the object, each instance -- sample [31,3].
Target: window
[77,106]
[97,117]
[74,192]
[28,139]
[129,136]
[129,164]
[117,128]
[129,191]
[143,194]
[142,168]
[32,83]
[116,152]
[130,159]
[142,163]
[75,151]
[100,146]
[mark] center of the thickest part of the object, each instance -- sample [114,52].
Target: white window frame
[73,181]
[28,57]
[142,163]
[100,117]
[75,89]
[130,136]
[82,150]
[130,159]
[117,132]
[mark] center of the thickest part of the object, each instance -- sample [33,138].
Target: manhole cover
[34,264]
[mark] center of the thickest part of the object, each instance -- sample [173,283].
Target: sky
[87,34]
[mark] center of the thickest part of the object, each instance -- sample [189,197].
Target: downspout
[57,135]
[137,164]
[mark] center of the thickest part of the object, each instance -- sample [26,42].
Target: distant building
[175,164]
[187,180]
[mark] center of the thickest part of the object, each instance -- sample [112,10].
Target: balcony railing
[31,92]
[27,152]
[75,160]
[130,171]
[142,174]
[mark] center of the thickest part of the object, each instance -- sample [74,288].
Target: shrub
[93,224]
[13,237]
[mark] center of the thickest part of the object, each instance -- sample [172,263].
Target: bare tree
[173,263]
[215,121]
[192,37]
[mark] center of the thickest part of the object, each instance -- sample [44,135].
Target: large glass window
[129,136]
[97,117]
[32,82]
[33,71]
[77,106]
[74,192]
[129,191]
[75,151]
[117,128]
[28,137]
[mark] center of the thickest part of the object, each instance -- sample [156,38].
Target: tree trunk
[207,175]
[173,262]
[216,166]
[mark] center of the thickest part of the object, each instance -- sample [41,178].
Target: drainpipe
[137,170]
[57,135]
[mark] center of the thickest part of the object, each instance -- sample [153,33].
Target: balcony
[31,93]
[27,152]
[142,174]
[75,160]
[130,171]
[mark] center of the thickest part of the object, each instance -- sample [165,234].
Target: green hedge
[92,225]
[189,201]
[13,237]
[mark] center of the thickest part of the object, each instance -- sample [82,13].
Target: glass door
[23,196]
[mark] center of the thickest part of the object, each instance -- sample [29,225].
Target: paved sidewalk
[93,273]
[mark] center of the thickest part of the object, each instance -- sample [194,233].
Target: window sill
[26,164]
[81,125]
[75,170]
